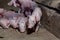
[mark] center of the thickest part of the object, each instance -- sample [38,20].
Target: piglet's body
[13,22]
[37,13]
[13,17]
[9,14]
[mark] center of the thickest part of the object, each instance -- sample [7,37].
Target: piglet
[34,18]
[22,24]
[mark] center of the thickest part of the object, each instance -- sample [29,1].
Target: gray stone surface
[12,34]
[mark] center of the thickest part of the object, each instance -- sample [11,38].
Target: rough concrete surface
[12,34]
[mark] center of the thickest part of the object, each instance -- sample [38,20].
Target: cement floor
[12,34]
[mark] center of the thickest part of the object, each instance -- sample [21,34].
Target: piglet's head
[22,24]
[31,22]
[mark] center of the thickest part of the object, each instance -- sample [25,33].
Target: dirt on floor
[12,34]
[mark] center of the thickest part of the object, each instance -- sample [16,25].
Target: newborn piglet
[38,14]
[31,23]
[24,5]
[22,24]
[34,18]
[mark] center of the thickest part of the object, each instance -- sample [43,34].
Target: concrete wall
[51,21]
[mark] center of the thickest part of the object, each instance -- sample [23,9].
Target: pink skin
[22,24]
[24,3]
[13,19]
[12,16]
[1,10]
[6,13]
[4,22]
[9,13]
[14,22]
[37,13]
[35,17]
[27,3]
[32,21]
